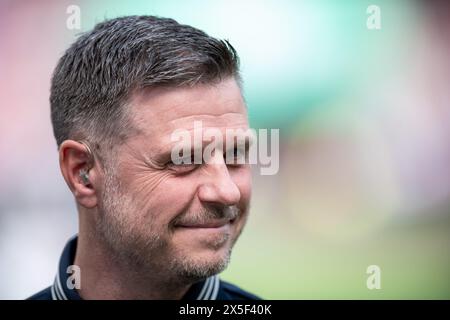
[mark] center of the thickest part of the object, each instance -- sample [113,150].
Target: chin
[198,253]
[199,270]
[199,263]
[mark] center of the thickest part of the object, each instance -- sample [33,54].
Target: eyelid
[190,158]
[239,149]
[153,163]
[182,168]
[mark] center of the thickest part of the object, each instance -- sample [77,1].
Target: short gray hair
[96,76]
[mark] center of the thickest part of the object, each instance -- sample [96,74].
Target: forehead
[157,112]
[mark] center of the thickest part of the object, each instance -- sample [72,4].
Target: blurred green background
[364,123]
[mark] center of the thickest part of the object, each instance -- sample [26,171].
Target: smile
[215,224]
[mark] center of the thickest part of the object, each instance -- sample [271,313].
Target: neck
[103,276]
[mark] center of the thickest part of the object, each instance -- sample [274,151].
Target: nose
[219,189]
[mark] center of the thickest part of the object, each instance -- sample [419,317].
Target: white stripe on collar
[216,289]
[52,289]
[56,291]
[205,285]
[60,288]
[210,289]
[208,292]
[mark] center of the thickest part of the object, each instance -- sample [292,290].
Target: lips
[207,224]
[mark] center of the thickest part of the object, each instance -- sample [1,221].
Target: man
[149,227]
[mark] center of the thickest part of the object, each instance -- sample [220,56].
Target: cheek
[157,197]
[174,194]
[167,200]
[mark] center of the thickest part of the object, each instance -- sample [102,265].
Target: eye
[235,156]
[183,165]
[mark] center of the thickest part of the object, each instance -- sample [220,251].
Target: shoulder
[230,291]
[42,295]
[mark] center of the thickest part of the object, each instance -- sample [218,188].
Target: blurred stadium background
[364,118]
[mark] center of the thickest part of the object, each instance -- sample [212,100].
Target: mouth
[212,224]
[208,234]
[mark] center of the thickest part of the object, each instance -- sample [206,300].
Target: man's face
[183,219]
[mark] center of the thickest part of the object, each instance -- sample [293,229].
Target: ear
[81,172]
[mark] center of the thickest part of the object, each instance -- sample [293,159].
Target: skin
[149,229]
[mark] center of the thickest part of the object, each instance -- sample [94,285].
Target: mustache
[207,215]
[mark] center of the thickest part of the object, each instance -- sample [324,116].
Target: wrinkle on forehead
[157,112]
[165,104]
[224,120]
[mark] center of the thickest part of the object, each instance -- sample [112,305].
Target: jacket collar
[207,289]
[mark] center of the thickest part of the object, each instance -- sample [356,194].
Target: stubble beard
[140,247]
